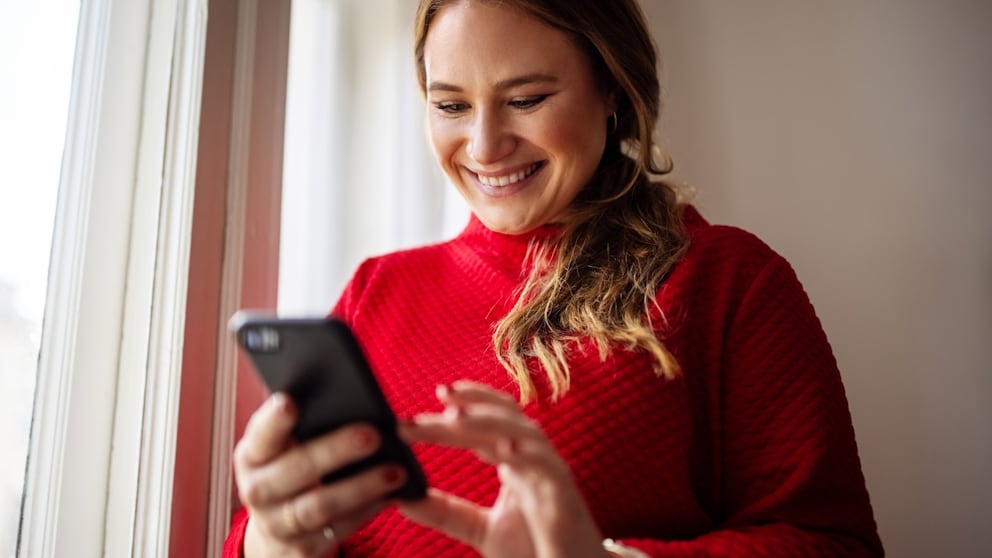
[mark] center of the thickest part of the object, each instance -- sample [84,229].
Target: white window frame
[99,477]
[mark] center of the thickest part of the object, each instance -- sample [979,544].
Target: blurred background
[854,137]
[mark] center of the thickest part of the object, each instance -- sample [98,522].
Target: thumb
[454,516]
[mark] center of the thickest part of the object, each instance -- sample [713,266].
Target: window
[36,51]
[99,467]
[135,366]
[359,178]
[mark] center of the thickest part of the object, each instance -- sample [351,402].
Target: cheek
[578,149]
[444,140]
[571,139]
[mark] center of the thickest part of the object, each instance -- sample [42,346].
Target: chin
[504,226]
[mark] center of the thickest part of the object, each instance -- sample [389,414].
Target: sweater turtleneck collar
[507,251]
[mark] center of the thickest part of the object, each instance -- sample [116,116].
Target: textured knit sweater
[749,452]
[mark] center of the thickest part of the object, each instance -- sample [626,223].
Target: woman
[591,369]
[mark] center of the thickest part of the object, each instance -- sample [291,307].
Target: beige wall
[854,136]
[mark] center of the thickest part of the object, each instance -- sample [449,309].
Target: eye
[528,102]
[451,107]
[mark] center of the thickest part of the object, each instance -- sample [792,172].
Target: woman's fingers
[488,422]
[279,480]
[538,512]
[309,544]
[345,527]
[303,465]
[474,410]
[333,503]
[459,518]
[466,391]
[496,439]
[267,433]
[478,392]
[343,505]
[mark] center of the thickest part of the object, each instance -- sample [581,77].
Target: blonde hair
[599,277]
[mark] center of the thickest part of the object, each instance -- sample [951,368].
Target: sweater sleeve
[234,545]
[790,476]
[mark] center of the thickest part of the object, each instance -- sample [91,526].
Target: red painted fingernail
[392,475]
[364,438]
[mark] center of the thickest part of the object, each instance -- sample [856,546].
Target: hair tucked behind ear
[599,278]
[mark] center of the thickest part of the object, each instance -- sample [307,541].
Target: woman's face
[514,112]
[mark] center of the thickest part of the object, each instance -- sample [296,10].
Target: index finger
[267,434]
[466,392]
[461,519]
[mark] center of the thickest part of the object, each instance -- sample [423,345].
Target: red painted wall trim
[260,276]
[191,489]
[192,485]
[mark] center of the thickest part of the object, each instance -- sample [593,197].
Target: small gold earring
[614,123]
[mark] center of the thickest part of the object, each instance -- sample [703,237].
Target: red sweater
[750,452]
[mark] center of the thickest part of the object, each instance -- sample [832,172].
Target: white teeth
[500,181]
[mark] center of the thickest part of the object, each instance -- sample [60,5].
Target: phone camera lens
[262,340]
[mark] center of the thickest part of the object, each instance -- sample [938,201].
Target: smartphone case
[320,365]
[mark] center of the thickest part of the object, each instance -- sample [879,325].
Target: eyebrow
[502,85]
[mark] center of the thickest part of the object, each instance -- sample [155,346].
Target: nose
[490,140]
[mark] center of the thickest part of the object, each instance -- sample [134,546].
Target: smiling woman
[517,126]
[589,368]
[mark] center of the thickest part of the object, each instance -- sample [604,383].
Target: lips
[501,181]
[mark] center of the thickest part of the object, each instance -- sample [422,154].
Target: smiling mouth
[509,179]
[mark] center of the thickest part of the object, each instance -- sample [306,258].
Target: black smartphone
[321,366]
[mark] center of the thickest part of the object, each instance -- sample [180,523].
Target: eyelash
[528,102]
[522,103]
[450,108]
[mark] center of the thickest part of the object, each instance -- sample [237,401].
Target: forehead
[490,41]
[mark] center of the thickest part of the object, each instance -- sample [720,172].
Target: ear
[611,101]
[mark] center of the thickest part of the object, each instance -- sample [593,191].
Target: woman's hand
[539,512]
[291,512]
